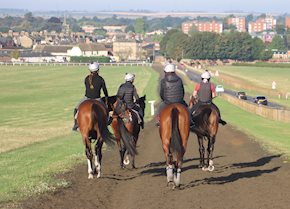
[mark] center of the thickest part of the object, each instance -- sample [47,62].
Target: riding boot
[75,127]
[110,119]
[192,123]
[142,123]
[157,120]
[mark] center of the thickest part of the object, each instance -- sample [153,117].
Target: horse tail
[127,138]
[175,142]
[99,121]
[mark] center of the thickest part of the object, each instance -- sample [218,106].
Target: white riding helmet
[169,68]
[129,77]
[94,67]
[205,75]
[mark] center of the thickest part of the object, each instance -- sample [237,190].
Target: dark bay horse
[174,133]
[207,119]
[92,120]
[126,130]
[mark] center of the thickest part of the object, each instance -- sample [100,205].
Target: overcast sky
[280,6]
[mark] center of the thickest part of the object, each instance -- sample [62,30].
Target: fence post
[152,106]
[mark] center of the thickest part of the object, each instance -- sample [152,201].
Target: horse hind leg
[89,155]
[210,149]
[201,152]
[169,170]
[122,154]
[177,172]
[98,157]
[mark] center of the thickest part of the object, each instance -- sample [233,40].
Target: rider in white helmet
[171,89]
[205,91]
[128,93]
[94,83]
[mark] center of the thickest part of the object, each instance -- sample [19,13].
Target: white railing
[117,64]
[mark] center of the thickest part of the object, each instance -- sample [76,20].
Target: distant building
[25,41]
[262,24]
[88,50]
[127,50]
[287,22]
[213,26]
[238,22]
[88,28]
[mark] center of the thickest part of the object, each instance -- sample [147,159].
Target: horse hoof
[171,184]
[204,168]
[126,160]
[99,175]
[211,168]
[90,176]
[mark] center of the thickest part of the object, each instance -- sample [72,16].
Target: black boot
[75,127]
[192,124]
[142,123]
[110,119]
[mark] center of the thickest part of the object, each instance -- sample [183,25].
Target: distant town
[122,36]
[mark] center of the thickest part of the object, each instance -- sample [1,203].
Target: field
[36,118]
[262,78]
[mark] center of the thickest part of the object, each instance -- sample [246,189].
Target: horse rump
[99,122]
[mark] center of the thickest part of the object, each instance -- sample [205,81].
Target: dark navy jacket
[127,92]
[171,89]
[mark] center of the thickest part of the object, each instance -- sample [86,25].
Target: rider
[205,92]
[93,83]
[171,90]
[127,92]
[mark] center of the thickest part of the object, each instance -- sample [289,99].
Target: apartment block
[213,26]
[262,24]
[287,22]
[238,22]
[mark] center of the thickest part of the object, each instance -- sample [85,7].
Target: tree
[166,39]
[202,45]
[258,49]
[15,54]
[235,45]
[277,44]
[139,26]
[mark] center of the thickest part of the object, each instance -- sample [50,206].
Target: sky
[270,6]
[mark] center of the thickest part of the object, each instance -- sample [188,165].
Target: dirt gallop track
[245,177]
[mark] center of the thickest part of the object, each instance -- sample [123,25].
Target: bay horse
[174,133]
[207,119]
[126,130]
[92,120]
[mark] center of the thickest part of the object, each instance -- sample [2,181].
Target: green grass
[261,77]
[36,118]
[273,135]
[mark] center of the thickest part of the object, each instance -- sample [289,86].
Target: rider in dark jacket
[205,92]
[171,89]
[127,92]
[93,83]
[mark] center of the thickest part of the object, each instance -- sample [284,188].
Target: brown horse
[174,133]
[207,119]
[92,120]
[126,130]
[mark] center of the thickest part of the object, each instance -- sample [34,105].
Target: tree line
[228,45]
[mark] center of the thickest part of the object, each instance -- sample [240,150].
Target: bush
[81,59]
